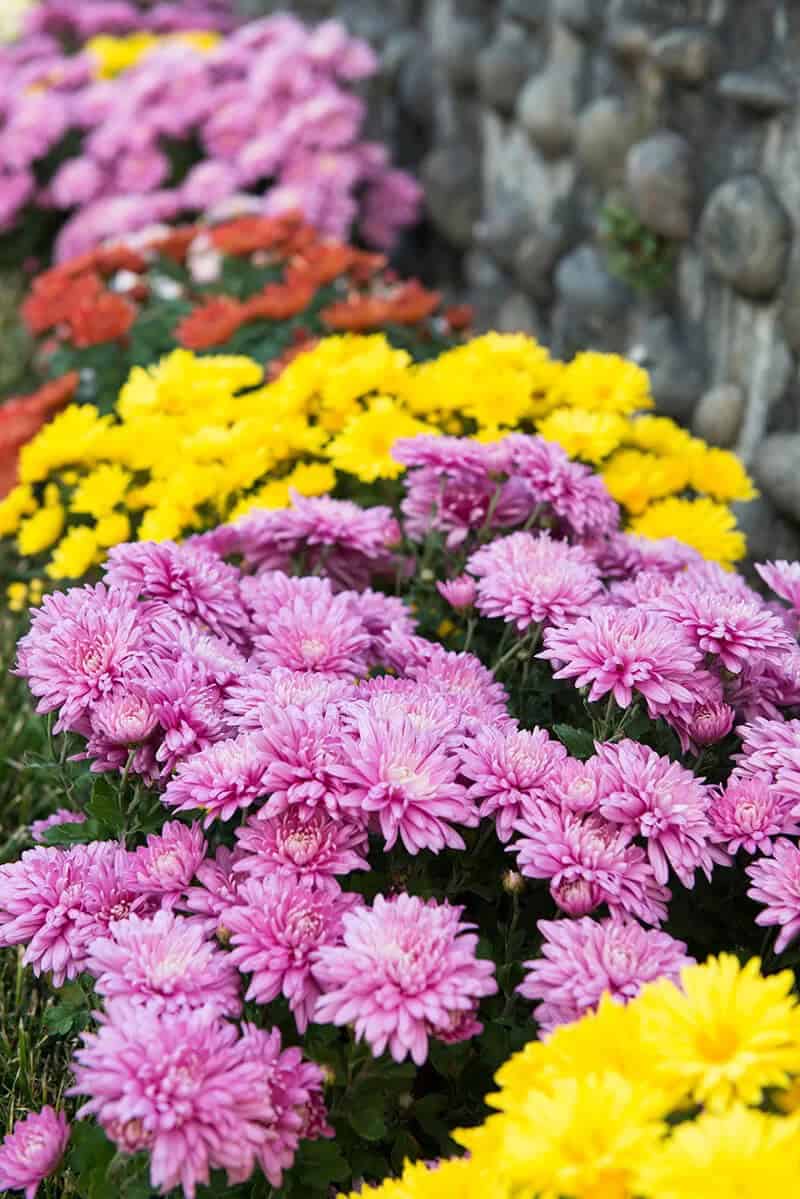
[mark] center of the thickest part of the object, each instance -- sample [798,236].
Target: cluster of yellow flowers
[194,441]
[684,1094]
[113,55]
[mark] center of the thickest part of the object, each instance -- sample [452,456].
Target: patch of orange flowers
[21,418]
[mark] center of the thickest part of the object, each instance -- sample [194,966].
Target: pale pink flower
[32,1150]
[168,862]
[220,780]
[749,812]
[459,592]
[507,769]
[314,847]
[776,884]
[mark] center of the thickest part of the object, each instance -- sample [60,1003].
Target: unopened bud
[513,882]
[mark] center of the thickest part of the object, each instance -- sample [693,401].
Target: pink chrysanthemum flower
[426,708]
[32,1150]
[588,862]
[776,884]
[188,704]
[265,594]
[62,816]
[772,747]
[749,812]
[727,625]
[315,634]
[300,748]
[81,644]
[166,962]
[575,786]
[459,592]
[384,617]
[624,555]
[622,651]
[194,581]
[405,970]
[277,927]
[703,723]
[314,847]
[651,796]
[124,716]
[509,769]
[168,862]
[181,1085]
[219,780]
[584,959]
[467,684]
[407,779]
[783,578]
[528,579]
[217,888]
[576,495]
[254,696]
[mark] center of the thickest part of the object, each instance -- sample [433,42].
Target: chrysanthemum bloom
[528,579]
[219,780]
[277,927]
[407,779]
[507,770]
[426,708]
[188,704]
[783,578]
[651,796]
[166,962]
[725,1034]
[701,724]
[467,684]
[582,959]
[314,847]
[461,503]
[168,862]
[748,812]
[622,651]
[404,970]
[300,748]
[319,634]
[382,616]
[216,889]
[32,1150]
[726,625]
[575,786]
[459,592]
[576,494]
[62,816]
[769,745]
[181,1085]
[588,862]
[295,1092]
[250,700]
[776,884]
[124,716]
[81,644]
[265,594]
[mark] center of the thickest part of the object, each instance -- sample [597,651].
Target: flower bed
[395,787]
[142,127]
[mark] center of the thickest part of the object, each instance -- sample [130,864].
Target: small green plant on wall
[642,258]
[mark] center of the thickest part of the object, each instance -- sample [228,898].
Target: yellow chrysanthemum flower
[17,596]
[603,383]
[112,529]
[71,437]
[40,531]
[659,435]
[743,1153]
[726,1034]
[364,447]
[19,502]
[635,479]
[706,525]
[114,55]
[455,1179]
[74,555]
[721,475]
[312,478]
[591,436]
[99,492]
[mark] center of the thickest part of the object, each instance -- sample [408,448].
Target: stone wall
[620,174]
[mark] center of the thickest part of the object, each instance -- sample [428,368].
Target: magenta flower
[703,723]
[301,748]
[407,779]
[726,625]
[166,963]
[219,780]
[188,704]
[405,970]
[168,862]
[62,816]
[749,812]
[383,616]
[76,182]
[426,708]
[459,592]
[320,634]
[124,717]
[277,927]
[529,579]
[268,592]
[32,1150]
[584,959]
[251,700]
[313,847]
[776,884]
[216,888]
[622,651]
[588,862]
[653,797]
[783,578]
[508,769]
[181,1085]
[575,786]
[467,684]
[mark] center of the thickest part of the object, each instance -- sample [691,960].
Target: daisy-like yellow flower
[112,529]
[726,1034]
[364,447]
[40,531]
[457,1178]
[17,596]
[635,479]
[74,555]
[741,1153]
[721,475]
[603,383]
[19,502]
[99,492]
[590,436]
[659,435]
[703,523]
[73,436]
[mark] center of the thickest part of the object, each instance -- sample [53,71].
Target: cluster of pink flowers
[270,107]
[64,19]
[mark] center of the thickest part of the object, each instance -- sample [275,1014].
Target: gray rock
[452,182]
[745,235]
[583,282]
[501,233]
[458,54]
[535,258]
[583,17]
[530,12]
[776,467]
[688,55]
[547,109]
[606,130]
[759,90]
[482,272]
[659,183]
[629,39]
[415,86]
[504,66]
[676,372]
[518,315]
[718,416]
[768,535]
[790,301]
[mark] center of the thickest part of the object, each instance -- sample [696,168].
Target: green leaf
[90,1155]
[579,742]
[74,834]
[367,1121]
[106,805]
[322,1163]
